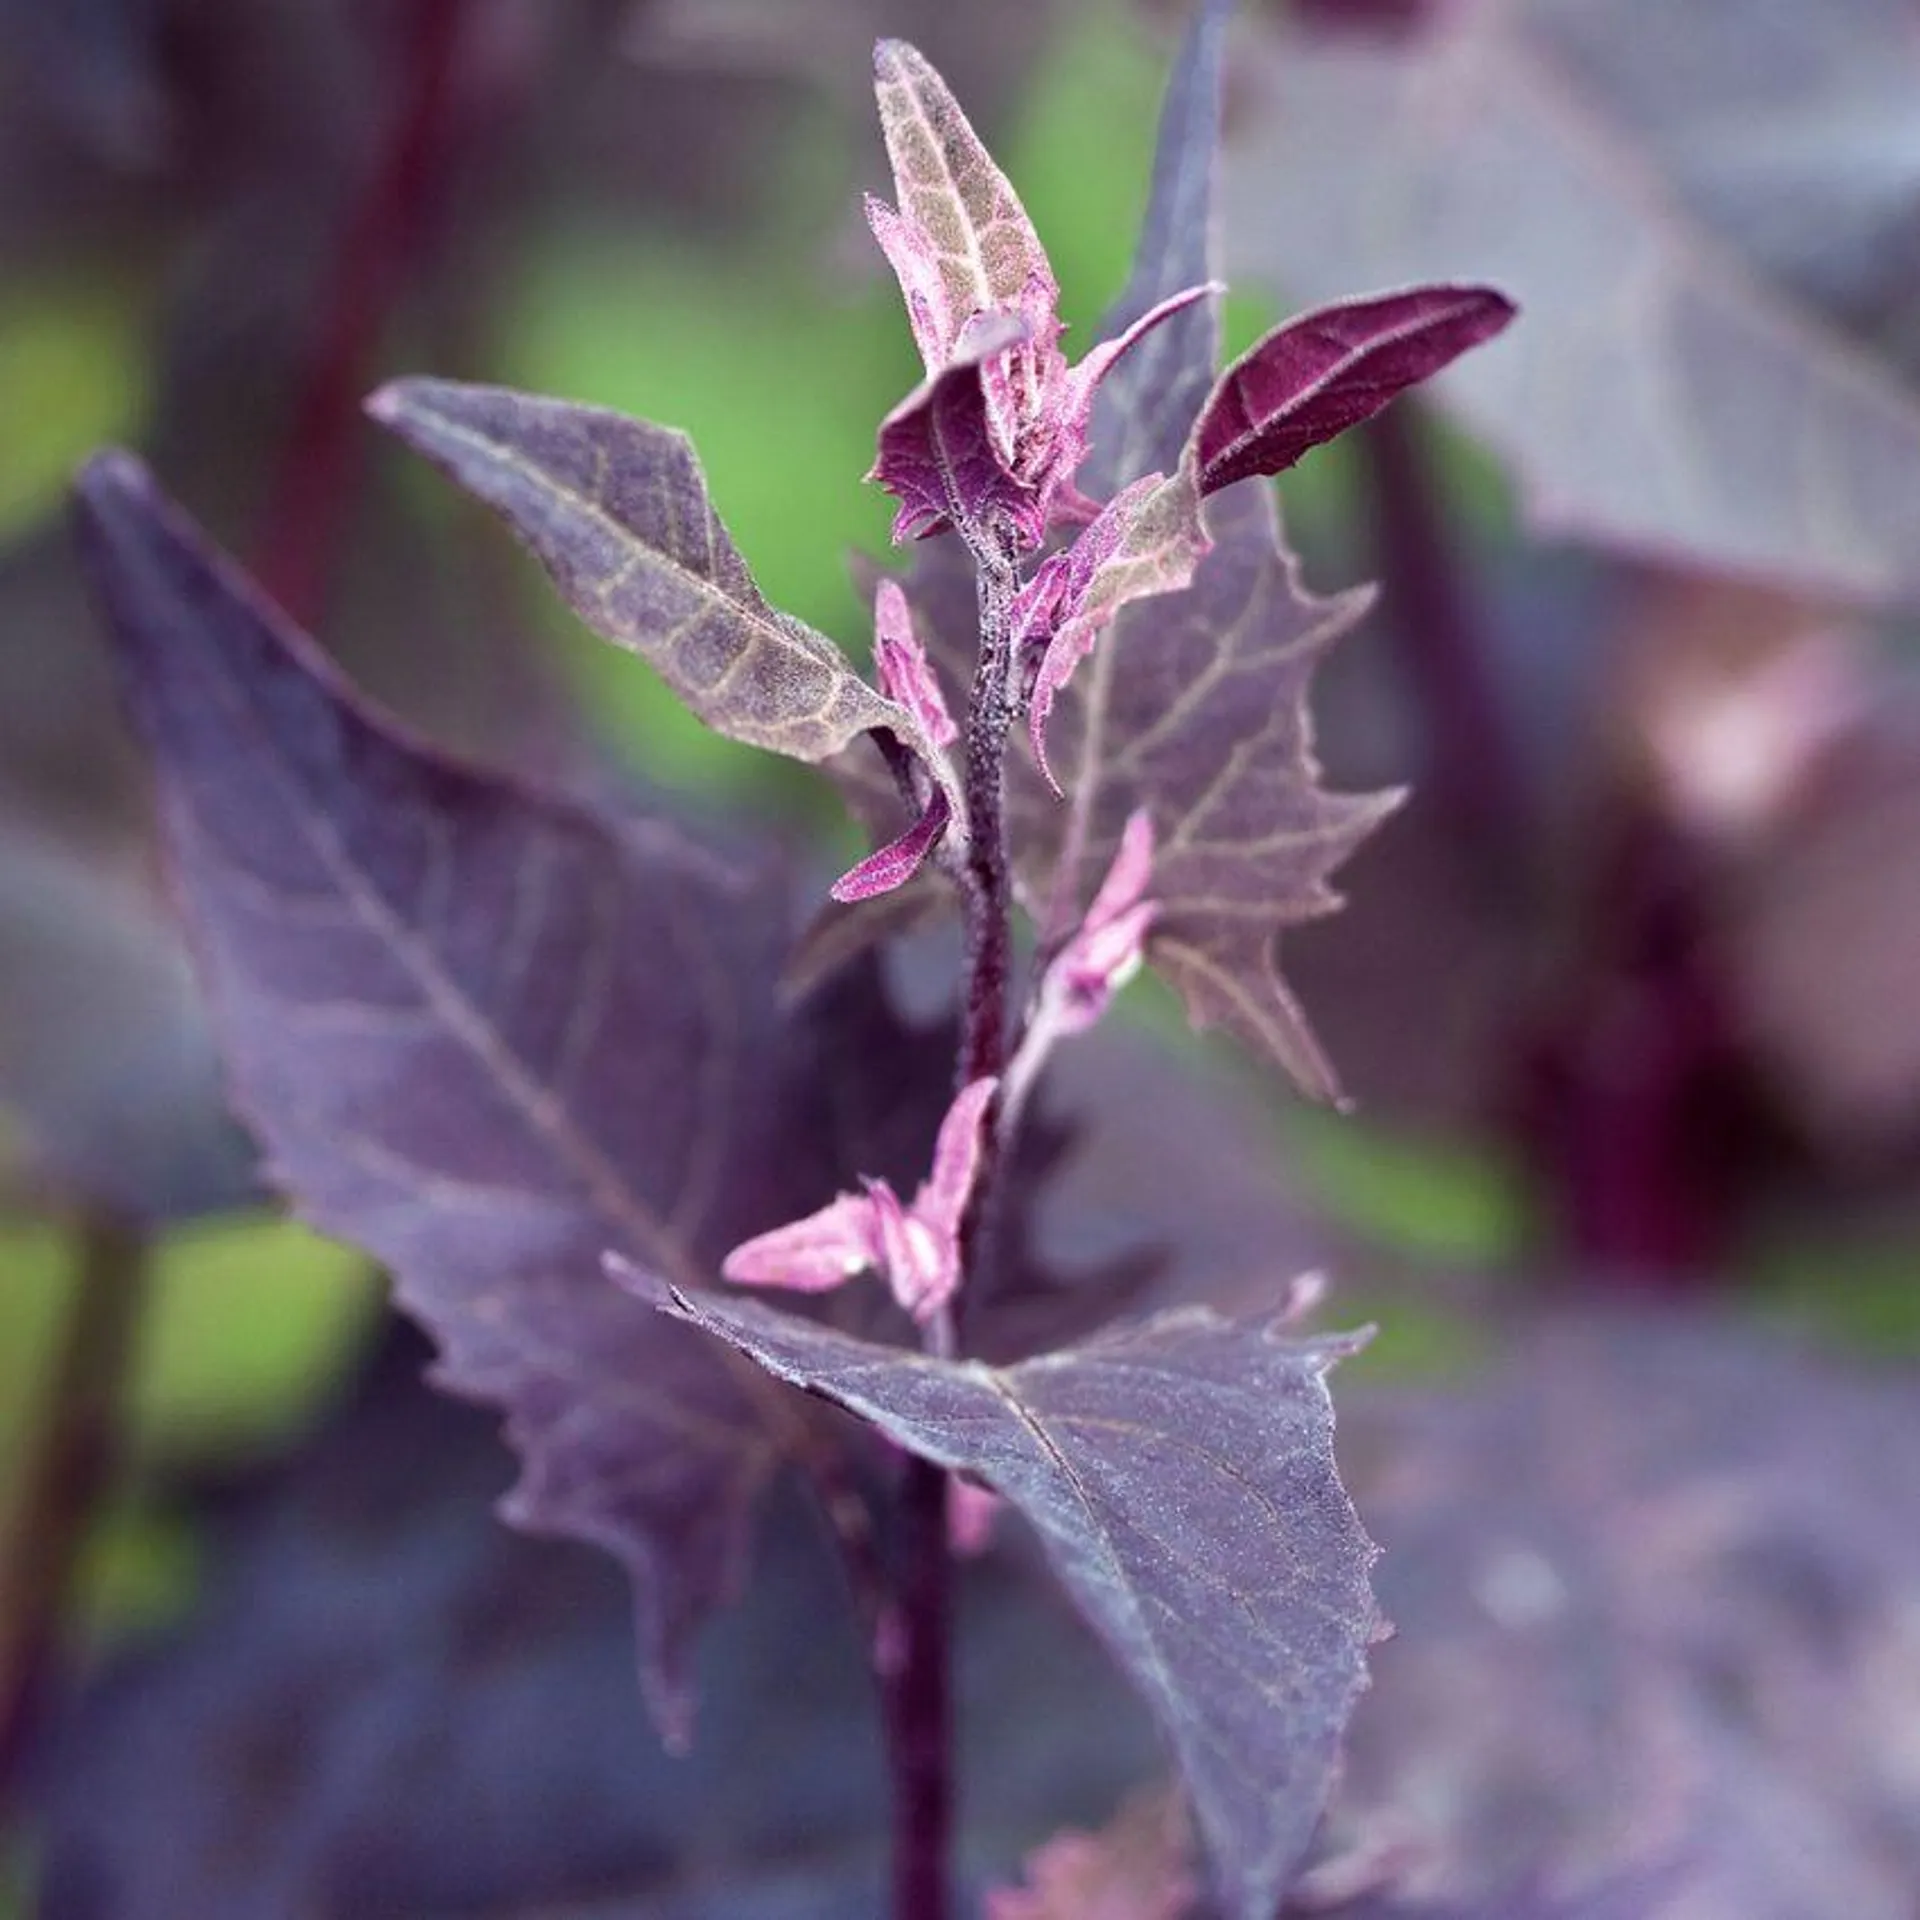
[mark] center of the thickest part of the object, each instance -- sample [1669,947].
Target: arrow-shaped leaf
[485,1036]
[617,512]
[1180,1475]
[1325,371]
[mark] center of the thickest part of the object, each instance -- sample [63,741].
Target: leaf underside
[1180,1475]
[617,512]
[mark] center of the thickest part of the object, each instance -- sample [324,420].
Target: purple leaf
[961,242]
[483,1035]
[1146,541]
[617,512]
[1193,708]
[1180,1475]
[1147,405]
[901,663]
[1689,381]
[893,865]
[1328,370]
[1672,1567]
[1196,711]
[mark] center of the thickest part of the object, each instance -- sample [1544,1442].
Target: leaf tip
[112,474]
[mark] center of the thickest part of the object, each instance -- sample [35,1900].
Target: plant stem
[1473,773]
[76,1461]
[920,1695]
[922,1706]
[983,1043]
[315,483]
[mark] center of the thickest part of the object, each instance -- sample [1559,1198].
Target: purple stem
[920,1700]
[1473,775]
[921,1714]
[317,472]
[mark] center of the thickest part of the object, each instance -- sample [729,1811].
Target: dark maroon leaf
[617,512]
[936,456]
[1147,405]
[483,1035]
[1328,370]
[1180,1474]
[1674,389]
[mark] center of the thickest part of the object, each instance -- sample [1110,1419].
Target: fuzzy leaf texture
[483,1035]
[960,240]
[1310,380]
[617,512]
[1180,1475]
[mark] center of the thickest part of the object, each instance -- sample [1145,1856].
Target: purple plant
[531,1053]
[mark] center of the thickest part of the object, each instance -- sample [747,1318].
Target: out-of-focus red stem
[73,1464]
[377,247]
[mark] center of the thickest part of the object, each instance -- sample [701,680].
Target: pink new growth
[904,671]
[1106,952]
[966,255]
[915,1249]
[907,677]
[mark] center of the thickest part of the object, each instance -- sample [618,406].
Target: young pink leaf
[1146,541]
[915,1249]
[1106,951]
[961,241]
[942,1200]
[814,1255]
[901,664]
[1138,1867]
[1180,1475]
[1005,441]
[1330,369]
[481,1034]
[899,860]
[617,512]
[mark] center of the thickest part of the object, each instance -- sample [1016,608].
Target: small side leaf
[1328,370]
[1145,541]
[1180,1475]
[617,512]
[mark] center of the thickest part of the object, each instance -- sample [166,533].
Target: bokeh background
[1627,995]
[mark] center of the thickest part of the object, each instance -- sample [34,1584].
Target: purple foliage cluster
[531,1052]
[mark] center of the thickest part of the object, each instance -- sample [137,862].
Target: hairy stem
[983,1042]
[74,1464]
[921,1711]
